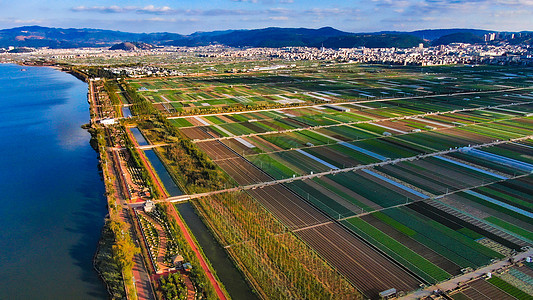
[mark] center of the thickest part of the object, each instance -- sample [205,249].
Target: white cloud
[279,18]
[153,9]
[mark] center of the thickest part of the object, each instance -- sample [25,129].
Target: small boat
[23,70]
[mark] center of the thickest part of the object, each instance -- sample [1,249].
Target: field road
[455,282]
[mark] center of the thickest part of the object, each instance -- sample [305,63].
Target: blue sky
[187,16]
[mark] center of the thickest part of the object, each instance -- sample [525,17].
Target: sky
[188,16]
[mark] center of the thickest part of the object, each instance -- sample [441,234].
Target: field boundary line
[352,102]
[360,167]
[410,117]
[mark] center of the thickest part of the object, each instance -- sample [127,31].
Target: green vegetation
[509,289]
[276,262]
[140,107]
[395,224]
[122,247]
[470,233]
[123,251]
[106,265]
[173,287]
[192,168]
[198,277]
[510,227]
[111,90]
[418,264]
[134,154]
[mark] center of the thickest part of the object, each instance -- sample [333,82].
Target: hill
[267,37]
[129,46]
[373,41]
[434,34]
[458,37]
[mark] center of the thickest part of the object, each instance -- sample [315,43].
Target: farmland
[397,177]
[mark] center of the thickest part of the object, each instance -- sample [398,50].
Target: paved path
[141,279]
[199,255]
[455,282]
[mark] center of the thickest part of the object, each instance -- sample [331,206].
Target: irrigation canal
[227,272]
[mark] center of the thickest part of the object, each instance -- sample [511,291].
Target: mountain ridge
[39,36]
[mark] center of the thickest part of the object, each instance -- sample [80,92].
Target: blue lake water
[51,193]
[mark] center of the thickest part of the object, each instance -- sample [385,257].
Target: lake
[52,199]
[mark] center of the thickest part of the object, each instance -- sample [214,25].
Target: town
[456,53]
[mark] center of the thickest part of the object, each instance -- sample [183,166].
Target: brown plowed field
[216,150]
[287,207]
[336,158]
[489,290]
[396,125]
[474,294]
[264,144]
[239,147]
[461,137]
[195,122]
[273,125]
[243,171]
[238,168]
[196,133]
[368,270]
[369,114]
[334,134]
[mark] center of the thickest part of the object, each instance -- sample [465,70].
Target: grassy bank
[106,266]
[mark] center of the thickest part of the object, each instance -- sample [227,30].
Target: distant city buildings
[457,53]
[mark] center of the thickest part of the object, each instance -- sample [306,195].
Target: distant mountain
[384,40]
[279,37]
[433,34]
[458,37]
[267,37]
[37,36]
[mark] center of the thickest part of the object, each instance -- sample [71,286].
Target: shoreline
[76,98]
